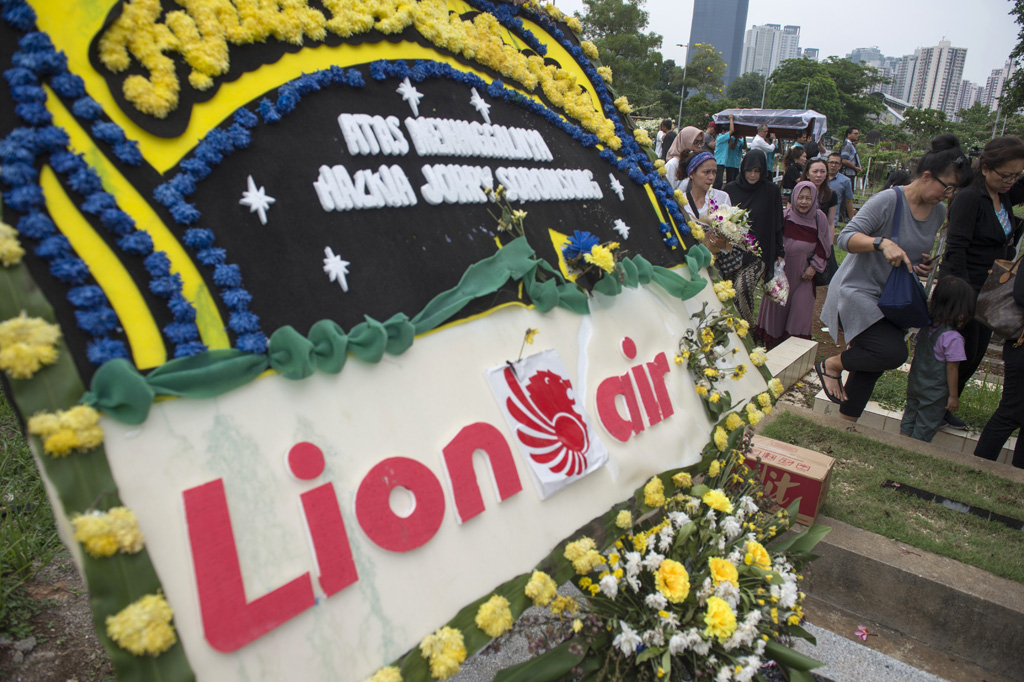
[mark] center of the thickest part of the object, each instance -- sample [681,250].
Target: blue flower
[102,350]
[579,244]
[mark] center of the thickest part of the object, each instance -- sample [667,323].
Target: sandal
[819,367]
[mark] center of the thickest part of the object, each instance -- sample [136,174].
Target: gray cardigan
[854,292]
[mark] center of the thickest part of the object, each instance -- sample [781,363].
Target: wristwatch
[878,243]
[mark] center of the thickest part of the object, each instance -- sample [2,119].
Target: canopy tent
[783,123]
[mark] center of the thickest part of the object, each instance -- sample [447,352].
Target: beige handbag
[996,307]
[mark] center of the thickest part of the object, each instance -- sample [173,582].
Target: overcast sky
[896,27]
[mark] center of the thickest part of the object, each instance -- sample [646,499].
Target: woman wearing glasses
[874,344]
[982,229]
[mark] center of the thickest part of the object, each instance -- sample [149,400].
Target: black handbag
[903,300]
[824,278]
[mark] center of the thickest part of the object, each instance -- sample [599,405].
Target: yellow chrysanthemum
[605,72]
[724,290]
[143,627]
[721,438]
[776,387]
[756,555]
[714,397]
[65,432]
[10,248]
[742,328]
[622,104]
[566,605]
[710,372]
[682,480]
[445,650]
[718,501]
[642,137]
[720,619]
[541,588]
[388,674]
[680,198]
[494,616]
[654,492]
[574,25]
[102,534]
[697,232]
[733,421]
[672,580]
[589,49]
[624,520]
[601,257]
[26,345]
[723,572]
[584,555]
[758,356]
[702,390]
[754,415]
[714,468]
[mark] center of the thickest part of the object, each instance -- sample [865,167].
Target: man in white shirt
[766,143]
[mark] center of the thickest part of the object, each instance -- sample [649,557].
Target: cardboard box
[788,472]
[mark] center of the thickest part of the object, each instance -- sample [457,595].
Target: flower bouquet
[777,288]
[691,589]
[586,255]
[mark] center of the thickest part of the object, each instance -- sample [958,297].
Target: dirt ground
[65,647]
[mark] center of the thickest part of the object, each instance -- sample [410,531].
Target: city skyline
[987,31]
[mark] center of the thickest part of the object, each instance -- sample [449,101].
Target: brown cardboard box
[788,472]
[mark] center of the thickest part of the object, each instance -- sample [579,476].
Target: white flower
[652,561]
[724,675]
[678,644]
[748,505]
[627,641]
[702,647]
[679,519]
[654,638]
[745,633]
[721,543]
[751,664]
[729,592]
[633,582]
[710,518]
[735,557]
[732,527]
[632,564]
[656,601]
[706,590]
[665,538]
[786,593]
[609,586]
[760,646]
[670,619]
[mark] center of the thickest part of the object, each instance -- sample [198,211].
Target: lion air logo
[551,429]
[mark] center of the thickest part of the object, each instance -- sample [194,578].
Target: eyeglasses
[948,190]
[1009,177]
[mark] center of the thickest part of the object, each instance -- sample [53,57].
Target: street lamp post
[764,89]
[807,94]
[682,90]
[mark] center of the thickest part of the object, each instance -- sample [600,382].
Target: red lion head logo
[550,427]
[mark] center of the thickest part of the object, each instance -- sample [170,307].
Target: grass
[857,497]
[28,534]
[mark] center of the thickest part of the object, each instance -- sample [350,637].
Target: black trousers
[876,349]
[976,338]
[1010,413]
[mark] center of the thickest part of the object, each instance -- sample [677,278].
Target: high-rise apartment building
[810,53]
[994,85]
[966,97]
[903,79]
[767,46]
[937,77]
[720,23]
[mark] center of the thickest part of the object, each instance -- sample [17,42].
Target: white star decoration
[481,106]
[622,228]
[617,187]
[257,200]
[411,95]
[336,268]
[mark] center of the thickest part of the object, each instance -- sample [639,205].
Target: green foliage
[925,123]
[699,109]
[617,28]
[746,90]
[838,89]
[705,70]
[1013,89]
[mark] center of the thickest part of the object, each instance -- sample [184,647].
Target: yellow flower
[67,431]
[622,104]
[714,397]
[589,49]
[720,619]
[739,371]
[758,356]
[541,588]
[697,232]
[724,290]
[531,334]
[742,328]
[445,650]
[26,345]
[659,163]
[388,674]
[702,390]
[715,467]
[756,555]
[718,501]
[723,572]
[654,492]
[672,580]
[494,616]
[105,533]
[682,480]
[680,198]
[564,605]
[682,357]
[733,421]
[10,248]
[584,555]
[624,520]
[711,372]
[577,625]
[754,415]
[144,626]
[642,138]
[721,438]
[605,72]
[776,387]
[764,400]
[601,257]
[574,24]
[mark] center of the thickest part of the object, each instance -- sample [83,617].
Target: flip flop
[819,367]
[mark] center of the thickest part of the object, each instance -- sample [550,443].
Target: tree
[1012,98]
[788,89]
[853,81]
[617,28]
[705,70]
[925,123]
[747,90]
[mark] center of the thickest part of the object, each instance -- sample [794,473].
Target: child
[932,387]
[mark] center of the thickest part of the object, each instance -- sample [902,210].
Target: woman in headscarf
[756,193]
[688,140]
[807,237]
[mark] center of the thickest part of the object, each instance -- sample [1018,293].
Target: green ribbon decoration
[120,391]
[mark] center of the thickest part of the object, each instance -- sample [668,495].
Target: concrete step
[791,360]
